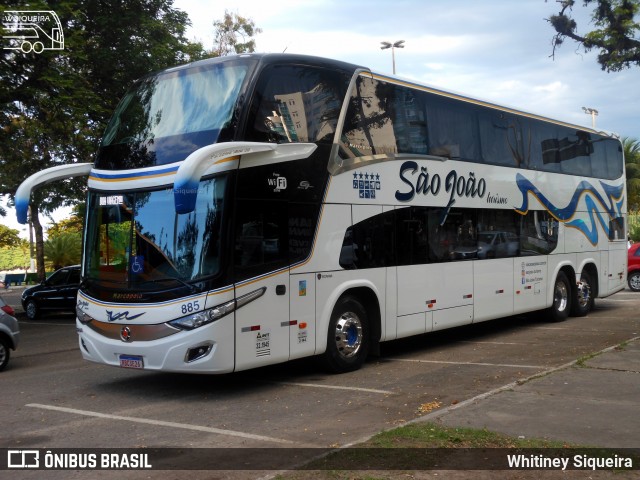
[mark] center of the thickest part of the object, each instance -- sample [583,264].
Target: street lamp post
[594,113]
[392,46]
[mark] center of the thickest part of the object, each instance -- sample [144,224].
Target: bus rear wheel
[348,336]
[561,305]
[583,300]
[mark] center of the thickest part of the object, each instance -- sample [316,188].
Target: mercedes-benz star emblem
[125,334]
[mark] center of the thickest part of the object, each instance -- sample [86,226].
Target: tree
[631,147]
[54,106]
[234,34]
[616,35]
[73,224]
[12,258]
[63,250]
[9,237]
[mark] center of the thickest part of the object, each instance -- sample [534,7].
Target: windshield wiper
[192,288]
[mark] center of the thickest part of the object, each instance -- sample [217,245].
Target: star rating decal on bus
[366,184]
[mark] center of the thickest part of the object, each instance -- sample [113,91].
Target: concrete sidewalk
[590,402]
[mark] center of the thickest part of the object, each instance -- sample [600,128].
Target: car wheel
[31,309]
[634,281]
[5,353]
[348,336]
[561,306]
[583,301]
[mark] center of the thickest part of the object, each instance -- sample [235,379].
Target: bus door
[261,265]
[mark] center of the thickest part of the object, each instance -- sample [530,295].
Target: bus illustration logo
[31,31]
[367,184]
[23,459]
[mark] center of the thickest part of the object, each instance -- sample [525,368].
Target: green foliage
[234,34]
[54,106]
[9,237]
[72,224]
[63,250]
[615,36]
[14,257]
[631,148]
[634,227]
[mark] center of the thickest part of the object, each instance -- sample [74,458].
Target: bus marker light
[252,328]
[302,325]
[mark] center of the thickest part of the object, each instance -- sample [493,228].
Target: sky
[495,50]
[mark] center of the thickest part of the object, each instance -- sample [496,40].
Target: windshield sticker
[137,264]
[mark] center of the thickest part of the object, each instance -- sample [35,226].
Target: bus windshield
[137,241]
[168,116]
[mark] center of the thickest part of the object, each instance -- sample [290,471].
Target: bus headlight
[199,319]
[83,316]
[205,317]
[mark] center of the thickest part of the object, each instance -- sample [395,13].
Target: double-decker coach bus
[249,210]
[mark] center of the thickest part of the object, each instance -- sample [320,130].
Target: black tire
[583,301]
[5,352]
[634,281]
[31,309]
[562,297]
[348,336]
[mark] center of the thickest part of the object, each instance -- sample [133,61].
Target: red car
[633,270]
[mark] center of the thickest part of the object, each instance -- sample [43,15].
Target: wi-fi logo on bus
[32,31]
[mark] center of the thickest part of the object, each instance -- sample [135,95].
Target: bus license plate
[131,361]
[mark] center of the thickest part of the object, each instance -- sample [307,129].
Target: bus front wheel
[348,336]
[561,305]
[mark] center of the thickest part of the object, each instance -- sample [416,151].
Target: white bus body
[297,235]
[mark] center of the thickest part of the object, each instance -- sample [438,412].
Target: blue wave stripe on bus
[612,205]
[133,175]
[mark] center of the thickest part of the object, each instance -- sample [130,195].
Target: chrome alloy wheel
[584,294]
[348,334]
[561,297]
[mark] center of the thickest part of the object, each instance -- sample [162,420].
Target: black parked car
[58,292]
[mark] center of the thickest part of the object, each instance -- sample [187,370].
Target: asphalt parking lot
[481,376]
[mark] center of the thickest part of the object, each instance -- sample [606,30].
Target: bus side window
[539,233]
[296,104]
[616,229]
[369,243]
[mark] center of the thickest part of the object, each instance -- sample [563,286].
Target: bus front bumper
[208,349]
